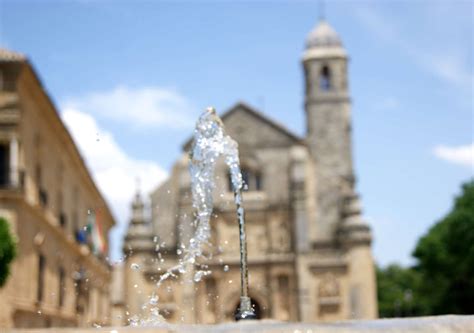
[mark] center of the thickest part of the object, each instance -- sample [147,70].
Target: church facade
[309,250]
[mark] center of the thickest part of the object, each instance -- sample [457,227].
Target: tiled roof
[11,56]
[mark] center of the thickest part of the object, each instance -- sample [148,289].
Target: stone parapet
[438,324]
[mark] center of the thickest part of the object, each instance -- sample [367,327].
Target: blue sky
[130,78]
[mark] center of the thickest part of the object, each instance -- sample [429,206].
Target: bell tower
[337,224]
[328,118]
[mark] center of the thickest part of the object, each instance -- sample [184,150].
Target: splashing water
[210,143]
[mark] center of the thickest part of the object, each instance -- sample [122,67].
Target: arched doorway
[256,308]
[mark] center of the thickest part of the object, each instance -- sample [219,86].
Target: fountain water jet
[211,139]
[210,143]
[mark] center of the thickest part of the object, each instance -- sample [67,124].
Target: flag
[95,229]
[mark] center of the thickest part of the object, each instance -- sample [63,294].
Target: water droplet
[230,281]
[135,266]
[198,276]
[154,300]
[226,268]
[135,286]
[38,312]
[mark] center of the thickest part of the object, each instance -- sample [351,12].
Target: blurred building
[309,249]
[60,276]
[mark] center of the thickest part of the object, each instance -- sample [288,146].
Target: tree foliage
[7,250]
[445,258]
[397,290]
[442,281]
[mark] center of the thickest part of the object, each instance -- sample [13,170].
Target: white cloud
[146,107]
[114,171]
[462,155]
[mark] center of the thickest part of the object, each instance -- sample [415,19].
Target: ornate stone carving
[329,286]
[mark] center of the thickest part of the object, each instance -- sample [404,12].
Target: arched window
[325,79]
[255,306]
[252,180]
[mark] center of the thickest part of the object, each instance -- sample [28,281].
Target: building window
[258,181]
[62,286]
[284,294]
[42,194]
[75,217]
[81,291]
[61,215]
[62,220]
[246,175]
[252,180]
[325,79]
[4,165]
[211,295]
[40,278]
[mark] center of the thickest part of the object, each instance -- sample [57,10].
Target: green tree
[445,258]
[7,250]
[397,290]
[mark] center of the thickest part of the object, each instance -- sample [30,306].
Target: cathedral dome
[323,35]
[323,42]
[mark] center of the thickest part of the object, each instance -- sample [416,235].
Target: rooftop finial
[138,185]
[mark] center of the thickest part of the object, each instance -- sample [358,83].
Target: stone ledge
[438,324]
